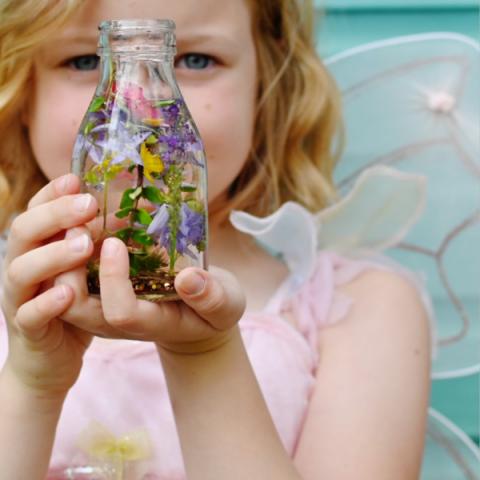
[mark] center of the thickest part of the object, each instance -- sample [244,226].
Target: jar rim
[132,24]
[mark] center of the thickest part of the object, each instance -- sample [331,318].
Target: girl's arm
[27,429]
[367,416]
[44,357]
[224,426]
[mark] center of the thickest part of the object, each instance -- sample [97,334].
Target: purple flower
[159,228]
[181,146]
[191,230]
[171,113]
[120,144]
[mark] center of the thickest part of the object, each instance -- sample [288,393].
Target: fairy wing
[410,188]
[412,103]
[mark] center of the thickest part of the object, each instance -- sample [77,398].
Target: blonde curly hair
[24,26]
[297,121]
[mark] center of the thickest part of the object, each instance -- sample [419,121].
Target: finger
[85,311]
[127,316]
[75,277]
[216,296]
[42,222]
[116,291]
[26,272]
[65,185]
[34,316]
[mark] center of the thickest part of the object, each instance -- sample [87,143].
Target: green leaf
[127,201]
[164,103]
[113,171]
[132,167]
[188,188]
[135,193]
[151,140]
[123,213]
[88,127]
[96,104]
[124,234]
[92,178]
[134,265]
[154,195]
[133,271]
[195,205]
[142,262]
[142,237]
[143,217]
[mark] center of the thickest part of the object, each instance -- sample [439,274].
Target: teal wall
[342,24]
[347,23]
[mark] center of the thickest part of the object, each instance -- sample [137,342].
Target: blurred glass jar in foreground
[139,153]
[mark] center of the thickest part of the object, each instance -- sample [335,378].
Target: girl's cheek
[54,119]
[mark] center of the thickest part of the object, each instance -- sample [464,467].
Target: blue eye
[195,61]
[84,63]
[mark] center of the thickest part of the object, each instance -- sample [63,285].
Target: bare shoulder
[387,305]
[372,386]
[392,285]
[385,330]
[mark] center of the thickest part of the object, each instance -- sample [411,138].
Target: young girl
[260,372]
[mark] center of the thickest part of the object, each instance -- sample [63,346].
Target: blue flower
[121,146]
[191,231]
[159,228]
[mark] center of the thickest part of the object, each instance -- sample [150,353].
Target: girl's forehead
[201,15]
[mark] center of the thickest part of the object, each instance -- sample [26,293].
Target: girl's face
[215,68]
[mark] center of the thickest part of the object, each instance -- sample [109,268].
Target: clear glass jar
[139,153]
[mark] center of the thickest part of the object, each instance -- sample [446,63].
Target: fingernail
[60,293]
[62,184]
[79,244]
[82,202]
[192,284]
[110,247]
[72,233]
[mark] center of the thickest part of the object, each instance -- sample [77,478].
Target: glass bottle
[139,153]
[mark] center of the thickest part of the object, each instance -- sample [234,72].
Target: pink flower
[140,107]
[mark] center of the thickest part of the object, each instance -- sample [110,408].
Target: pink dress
[117,422]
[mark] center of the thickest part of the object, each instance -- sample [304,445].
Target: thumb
[216,295]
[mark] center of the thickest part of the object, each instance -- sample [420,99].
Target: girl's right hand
[45,354]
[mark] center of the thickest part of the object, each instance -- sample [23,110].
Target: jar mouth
[141,37]
[133,24]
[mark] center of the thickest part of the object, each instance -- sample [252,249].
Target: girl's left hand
[213,303]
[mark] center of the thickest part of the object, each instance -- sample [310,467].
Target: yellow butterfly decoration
[102,445]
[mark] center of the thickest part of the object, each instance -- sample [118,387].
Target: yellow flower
[154,122]
[151,163]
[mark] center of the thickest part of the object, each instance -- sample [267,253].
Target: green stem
[173,237]
[105,203]
[140,178]
[174,181]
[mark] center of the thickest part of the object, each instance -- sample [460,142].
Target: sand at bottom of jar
[154,287]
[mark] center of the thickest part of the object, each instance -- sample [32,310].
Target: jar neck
[153,73]
[152,40]
[138,54]
[119,57]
